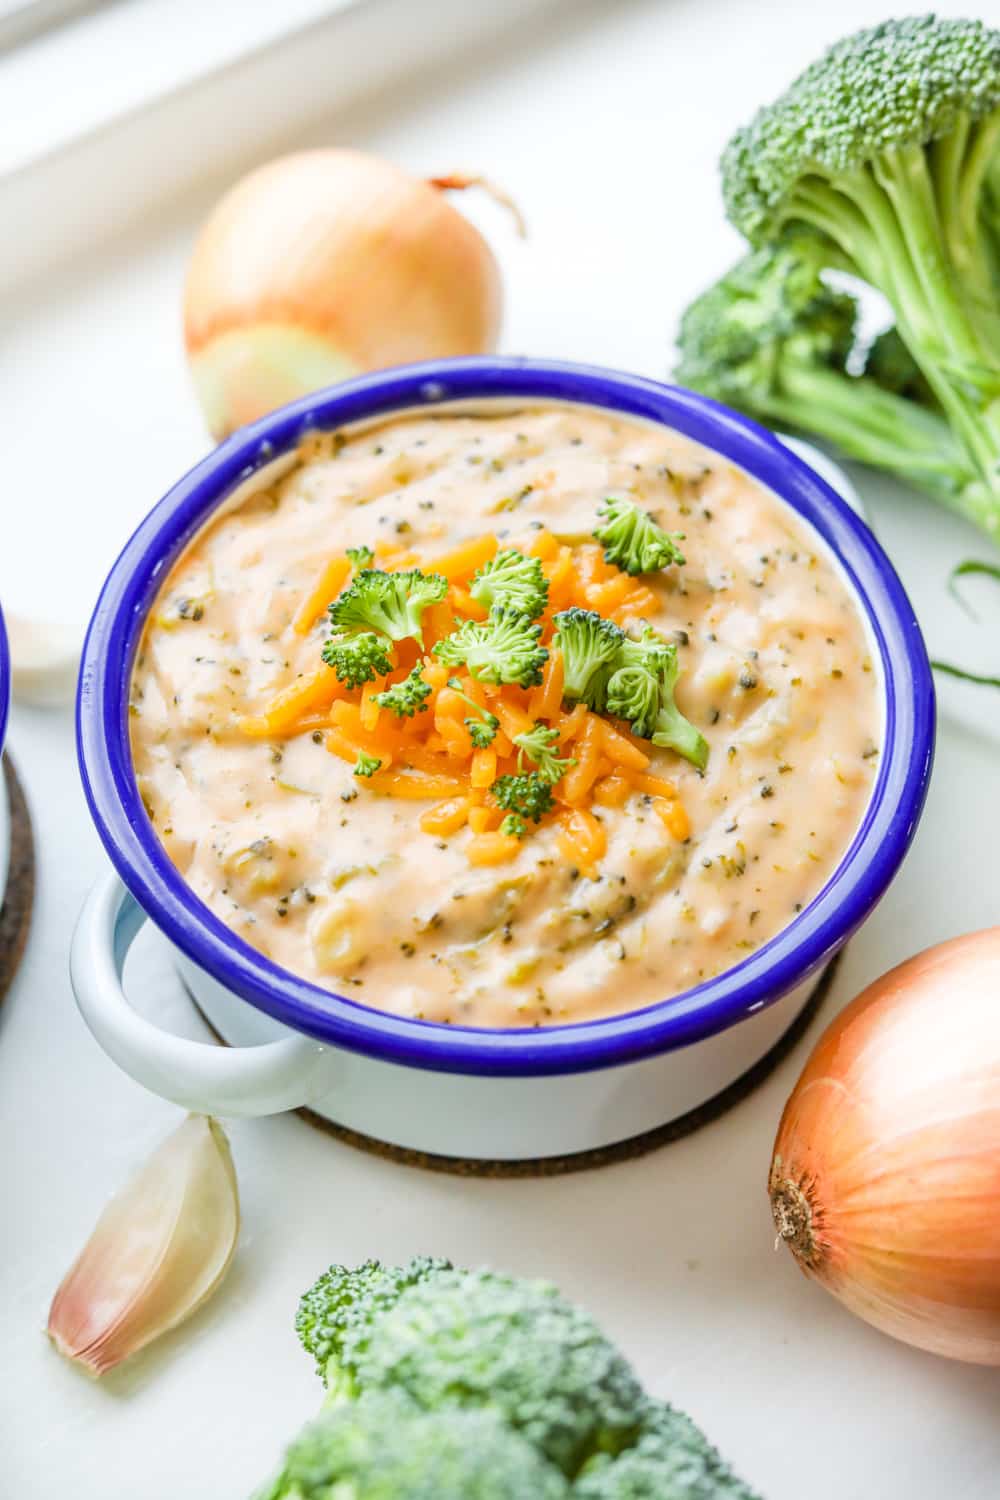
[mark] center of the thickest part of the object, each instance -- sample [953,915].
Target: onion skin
[325,264]
[885,1181]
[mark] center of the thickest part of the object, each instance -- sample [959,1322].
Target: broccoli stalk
[511,581]
[632,539]
[392,603]
[772,339]
[407,697]
[886,147]
[538,744]
[589,646]
[503,649]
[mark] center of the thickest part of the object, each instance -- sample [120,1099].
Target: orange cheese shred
[325,590]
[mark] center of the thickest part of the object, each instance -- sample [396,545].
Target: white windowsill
[84,75]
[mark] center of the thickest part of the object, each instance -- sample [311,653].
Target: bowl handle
[199,1076]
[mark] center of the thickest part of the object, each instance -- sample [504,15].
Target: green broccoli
[474,1339]
[366,765]
[358,659]
[672,1460]
[390,602]
[641,690]
[527,796]
[513,826]
[891,365]
[539,745]
[589,646]
[410,1354]
[502,649]
[481,724]
[361,558]
[632,539]
[772,339]
[511,581]
[384,1447]
[634,694]
[406,698]
[344,1295]
[886,147]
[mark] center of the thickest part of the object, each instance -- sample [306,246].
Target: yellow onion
[322,265]
[885,1181]
[159,1250]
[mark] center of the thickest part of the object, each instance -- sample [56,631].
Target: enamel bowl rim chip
[799,950]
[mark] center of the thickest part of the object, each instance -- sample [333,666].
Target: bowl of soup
[503,747]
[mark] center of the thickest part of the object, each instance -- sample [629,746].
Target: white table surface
[606,124]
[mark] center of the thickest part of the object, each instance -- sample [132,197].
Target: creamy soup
[400,888]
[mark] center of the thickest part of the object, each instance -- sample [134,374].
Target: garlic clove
[159,1250]
[45,660]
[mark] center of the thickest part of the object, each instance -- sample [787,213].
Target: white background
[605,121]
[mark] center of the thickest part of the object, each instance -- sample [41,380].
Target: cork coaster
[604,1156]
[15,913]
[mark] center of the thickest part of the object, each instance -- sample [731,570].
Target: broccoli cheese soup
[507,718]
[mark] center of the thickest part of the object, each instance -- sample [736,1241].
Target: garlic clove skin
[159,1250]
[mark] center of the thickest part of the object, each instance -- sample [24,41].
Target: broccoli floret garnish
[513,826]
[361,557]
[589,646]
[343,1297]
[641,690]
[358,659]
[672,1460]
[390,602]
[473,1339]
[634,694]
[366,765]
[405,698]
[632,539]
[772,339]
[482,733]
[672,731]
[511,581]
[503,649]
[385,1447]
[481,724]
[539,745]
[528,796]
[885,147]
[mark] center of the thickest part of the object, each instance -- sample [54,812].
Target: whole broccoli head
[511,581]
[384,1447]
[502,649]
[885,147]
[392,603]
[589,646]
[671,1460]
[474,1339]
[633,540]
[773,339]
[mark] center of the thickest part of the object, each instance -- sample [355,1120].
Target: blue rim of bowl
[798,951]
[4,682]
